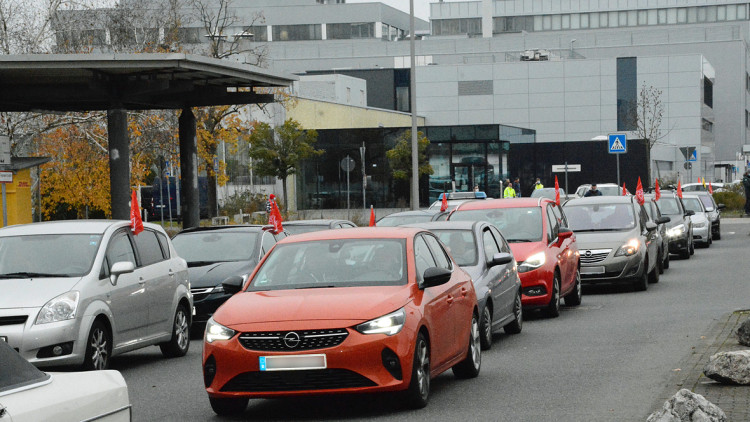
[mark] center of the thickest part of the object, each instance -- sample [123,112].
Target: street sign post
[5,177]
[691,155]
[618,144]
[347,164]
[559,168]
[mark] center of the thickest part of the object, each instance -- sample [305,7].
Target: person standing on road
[593,191]
[538,184]
[517,186]
[746,184]
[509,192]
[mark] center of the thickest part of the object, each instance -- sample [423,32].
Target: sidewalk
[734,400]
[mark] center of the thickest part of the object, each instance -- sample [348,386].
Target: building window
[707,126]
[747,119]
[708,92]
[257,33]
[456,26]
[747,82]
[345,31]
[627,79]
[297,32]
[189,35]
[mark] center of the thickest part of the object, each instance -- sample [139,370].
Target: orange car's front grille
[317,379]
[293,340]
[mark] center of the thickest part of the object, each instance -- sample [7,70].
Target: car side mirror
[119,268]
[663,220]
[721,206]
[688,213]
[435,276]
[564,233]
[651,226]
[232,284]
[501,258]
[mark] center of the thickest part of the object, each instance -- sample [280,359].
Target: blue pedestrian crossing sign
[618,143]
[693,156]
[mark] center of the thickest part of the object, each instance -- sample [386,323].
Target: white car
[80,292]
[701,221]
[29,395]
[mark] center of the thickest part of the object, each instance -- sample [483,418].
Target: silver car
[701,221]
[80,292]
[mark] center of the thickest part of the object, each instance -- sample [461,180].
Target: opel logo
[291,339]
[588,253]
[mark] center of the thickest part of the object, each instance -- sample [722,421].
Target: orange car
[343,311]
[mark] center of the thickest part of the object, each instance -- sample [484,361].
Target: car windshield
[650,211]
[546,193]
[600,217]
[15,371]
[216,246]
[523,224]
[48,255]
[333,263]
[692,204]
[304,228]
[461,244]
[397,220]
[707,202]
[610,190]
[670,206]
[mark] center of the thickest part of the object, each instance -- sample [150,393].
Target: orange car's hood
[355,304]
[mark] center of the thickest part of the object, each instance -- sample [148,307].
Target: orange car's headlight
[387,324]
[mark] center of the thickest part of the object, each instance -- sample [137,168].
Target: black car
[306,226]
[654,214]
[412,217]
[480,250]
[216,253]
[680,227]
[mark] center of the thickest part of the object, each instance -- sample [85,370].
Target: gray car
[713,211]
[680,227]
[616,240]
[654,214]
[80,292]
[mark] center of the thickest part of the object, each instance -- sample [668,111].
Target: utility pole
[413,98]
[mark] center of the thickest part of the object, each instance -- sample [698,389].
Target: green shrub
[733,200]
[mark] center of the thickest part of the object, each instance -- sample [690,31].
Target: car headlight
[629,248]
[387,324]
[61,308]
[216,331]
[676,231]
[533,262]
[699,225]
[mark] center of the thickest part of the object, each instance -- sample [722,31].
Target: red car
[545,249]
[343,311]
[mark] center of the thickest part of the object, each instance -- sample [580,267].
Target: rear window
[216,246]
[516,224]
[707,202]
[670,206]
[461,244]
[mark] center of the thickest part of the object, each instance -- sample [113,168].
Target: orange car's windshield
[333,263]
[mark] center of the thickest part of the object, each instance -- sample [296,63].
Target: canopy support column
[119,163]
[189,169]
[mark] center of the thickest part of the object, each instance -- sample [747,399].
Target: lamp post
[413,98]
[362,150]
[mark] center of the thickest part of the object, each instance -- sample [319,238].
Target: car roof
[68,227]
[503,203]
[446,225]
[236,227]
[414,212]
[602,200]
[317,222]
[464,195]
[355,233]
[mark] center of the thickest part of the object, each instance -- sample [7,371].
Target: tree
[399,157]
[646,120]
[279,152]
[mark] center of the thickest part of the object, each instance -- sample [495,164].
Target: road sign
[4,150]
[693,156]
[687,165]
[6,177]
[689,153]
[559,168]
[618,143]
[347,164]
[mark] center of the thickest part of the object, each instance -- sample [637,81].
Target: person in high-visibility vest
[538,184]
[509,192]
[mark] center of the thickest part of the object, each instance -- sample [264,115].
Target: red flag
[679,189]
[444,204]
[275,217]
[624,191]
[657,190]
[136,223]
[372,216]
[639,193]
[710,188]
[557,192]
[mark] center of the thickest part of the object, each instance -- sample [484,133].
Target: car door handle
[449,300]
[464,291]
[141,280]
[171,273]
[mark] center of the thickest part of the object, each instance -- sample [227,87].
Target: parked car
[545,250]
[700,219]
[548,193]
[679,228]
[216,253]
[480,250]
[616,239]
[412,217]
[607,189]
[306,226]
[713,210]
[654,214]
[700,187]
[343,311]
[29,395]
[98,291]
[456,198]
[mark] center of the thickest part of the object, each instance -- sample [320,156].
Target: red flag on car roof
[372,216]
[679,189]
[657,190]
[557,192]
[710,188]
[136,223]
[274,218]
[444,204]
[624,191]
[639,193]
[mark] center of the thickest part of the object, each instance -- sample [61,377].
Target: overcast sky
[421,7]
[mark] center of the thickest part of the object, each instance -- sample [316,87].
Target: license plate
[292,363]
[3,338]
[592,270]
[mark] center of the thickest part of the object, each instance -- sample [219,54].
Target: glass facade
[297,32]
[458,26]
[627,92]
[345,31]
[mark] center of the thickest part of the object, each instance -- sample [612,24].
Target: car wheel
[418,393]
[228,407]
[666,261]
[515,326]
[98,348]
[486,327]
[653,276]
[574,298]
[718,232]
[710,238]
[692,246]
[470,366]
[660,263]
[640,284]
[553,309]
[179,344]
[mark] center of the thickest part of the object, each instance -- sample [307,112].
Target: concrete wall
[315,114]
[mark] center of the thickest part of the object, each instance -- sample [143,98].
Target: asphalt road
[607,360]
